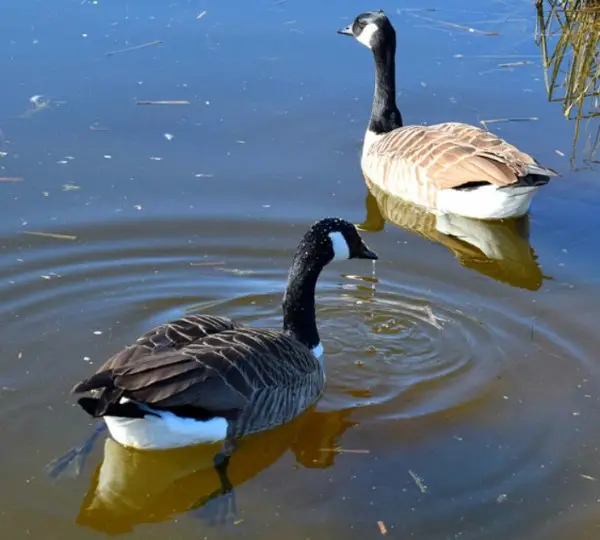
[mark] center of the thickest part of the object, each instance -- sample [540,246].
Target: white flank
[487,202]
[165,431]
[341,251]
[366,35]
[317,350]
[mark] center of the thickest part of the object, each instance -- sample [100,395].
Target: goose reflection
[132,487]
[498,249]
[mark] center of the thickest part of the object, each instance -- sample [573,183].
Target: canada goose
[449,167]
[204,378]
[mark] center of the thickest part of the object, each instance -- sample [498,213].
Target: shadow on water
[500,249]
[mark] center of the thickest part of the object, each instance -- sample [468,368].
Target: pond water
[463,372]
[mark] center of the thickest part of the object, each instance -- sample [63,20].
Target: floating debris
[382,528]
[587,477]
[155,158]
[200,15]
[346,450]
[208,263]
[70,187]
[97,332]
[418,481]
[39,104]
[134,48]
[3,154]
[515,64]
[503,497]
[484,123]
[10,179]
[162,102]
[236,271]
[96,127]
[51,235]
[204,175]
[454,25]
[168,136]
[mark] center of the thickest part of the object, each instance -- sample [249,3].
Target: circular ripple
[430,353]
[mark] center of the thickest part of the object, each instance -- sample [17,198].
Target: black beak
[346,31]
[363,252]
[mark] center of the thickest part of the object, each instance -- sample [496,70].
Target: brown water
[463,377]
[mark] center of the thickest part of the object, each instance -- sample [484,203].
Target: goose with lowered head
[449,167]
[204,378]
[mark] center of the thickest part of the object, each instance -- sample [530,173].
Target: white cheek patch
[341,252]
[366,35]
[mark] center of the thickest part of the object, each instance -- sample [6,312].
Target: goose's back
[416,162]
[255,378]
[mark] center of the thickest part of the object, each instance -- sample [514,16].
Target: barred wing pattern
[169,336]
[442,156]
[255,378]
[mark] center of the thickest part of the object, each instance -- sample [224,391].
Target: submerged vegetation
[568,33]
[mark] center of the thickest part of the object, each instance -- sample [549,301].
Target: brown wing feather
[222,372]
[169,336]
[452,154]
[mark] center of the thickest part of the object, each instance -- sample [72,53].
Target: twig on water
[514,64]
[10,179]
[134,48]
[418,481]
[456,26]
[51,235]
[484,123]
[162,102]
[346,450]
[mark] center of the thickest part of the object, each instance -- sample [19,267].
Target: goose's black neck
[299,299]
[385,116]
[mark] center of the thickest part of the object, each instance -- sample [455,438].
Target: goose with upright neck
[205,378]
[449,167]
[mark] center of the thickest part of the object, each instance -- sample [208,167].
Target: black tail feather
[96,408]
[104,379]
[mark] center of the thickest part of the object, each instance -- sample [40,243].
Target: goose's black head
[333,239]
[373,29]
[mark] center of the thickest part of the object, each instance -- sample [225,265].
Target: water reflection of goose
[498,249]
[131,487]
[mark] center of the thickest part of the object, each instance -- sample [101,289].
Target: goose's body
[449,167]
[200,379]
[203,379]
